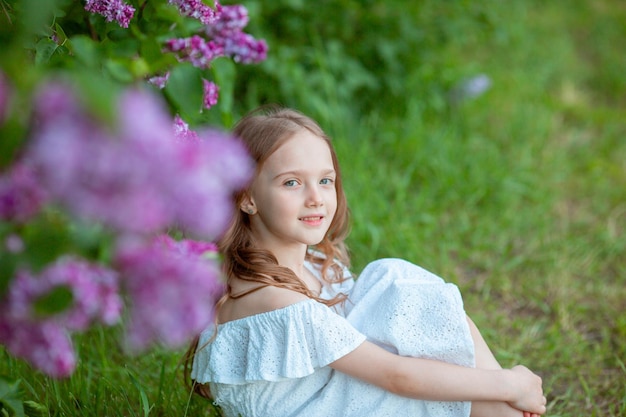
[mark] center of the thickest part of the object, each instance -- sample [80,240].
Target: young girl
[297,335]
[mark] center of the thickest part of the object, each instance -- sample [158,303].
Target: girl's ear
[247,205]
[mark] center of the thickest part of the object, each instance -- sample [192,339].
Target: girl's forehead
[301,150]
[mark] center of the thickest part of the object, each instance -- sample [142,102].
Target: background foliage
[517,195]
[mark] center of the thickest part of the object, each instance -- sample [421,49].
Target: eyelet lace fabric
[276,363]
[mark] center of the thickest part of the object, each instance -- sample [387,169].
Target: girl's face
[294,195]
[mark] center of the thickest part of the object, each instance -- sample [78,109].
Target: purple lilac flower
[211,93]
[195,49]
[182,131]
[244,48]
[44,341]
[112,10]
[94,289]
[232,19]
[173,291]
[227,31]
[21,195]
[95,174]
[198,10]
[137,177]
[215,163]
[160,80]
[187,247]
[46,345]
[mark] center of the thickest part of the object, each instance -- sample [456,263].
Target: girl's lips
[312,220]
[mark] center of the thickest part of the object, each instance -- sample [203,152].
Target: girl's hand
[529,394]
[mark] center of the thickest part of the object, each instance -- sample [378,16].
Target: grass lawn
[518,196]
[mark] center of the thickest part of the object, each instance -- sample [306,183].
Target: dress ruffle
[291,342]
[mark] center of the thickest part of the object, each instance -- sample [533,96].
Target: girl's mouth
[312,220]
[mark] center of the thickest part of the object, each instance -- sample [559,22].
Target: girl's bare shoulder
[260,301]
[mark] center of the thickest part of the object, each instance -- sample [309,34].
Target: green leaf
[44,49]
[85,50]
[119,70]
[184,90]
[56,301]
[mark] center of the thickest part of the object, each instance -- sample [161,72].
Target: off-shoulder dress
[277,363]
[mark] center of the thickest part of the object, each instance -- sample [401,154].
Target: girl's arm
[434,380]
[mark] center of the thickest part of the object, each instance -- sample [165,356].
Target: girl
[296,335]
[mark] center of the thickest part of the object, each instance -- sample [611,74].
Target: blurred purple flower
[94,289]
[214,166]
[21,195]
[137,178]
[112,10]
[46,345]
[173,290]
[195,49]
[198,10]
[44,341]
[211,93]
[187,247]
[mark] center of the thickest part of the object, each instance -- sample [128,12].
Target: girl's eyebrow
[298,173]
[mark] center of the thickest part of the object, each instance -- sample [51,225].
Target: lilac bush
[112,10]
[110,156]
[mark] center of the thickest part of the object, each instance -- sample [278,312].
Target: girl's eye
[326,181]
[290,183]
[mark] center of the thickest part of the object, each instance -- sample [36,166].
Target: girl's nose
[314,197]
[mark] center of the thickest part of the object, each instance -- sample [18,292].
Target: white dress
[275,364]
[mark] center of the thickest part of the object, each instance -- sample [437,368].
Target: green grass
[518,196]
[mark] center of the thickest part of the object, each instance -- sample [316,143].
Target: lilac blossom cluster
[195,49]
[182,131]
[112,10]
[135,178]
[173,286]
[224,37]
[198,10]
[44,340]
[227,31]
[211,93]
[21,194]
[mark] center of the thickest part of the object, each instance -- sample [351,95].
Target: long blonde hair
[263,131]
